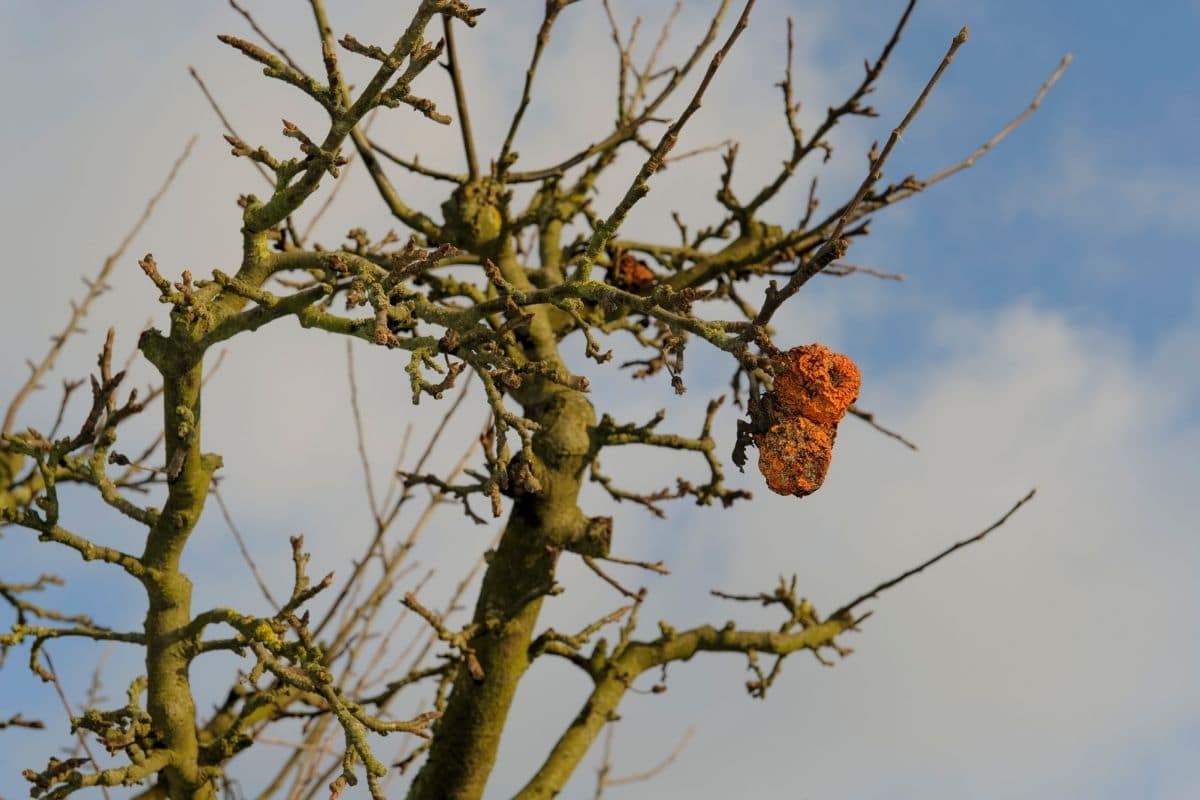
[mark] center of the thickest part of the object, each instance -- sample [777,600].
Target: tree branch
[460,99]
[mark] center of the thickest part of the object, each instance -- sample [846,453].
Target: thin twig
[337,187]
[96,287]
[397,483]
[698,151]
[263,34]
[611,581]
[19,721]
[212,101]
[869,418]
[1003,133]
[241,543]
[414,165]
[360,434]
[640,185]
[876,171]
[382,528]
[609,735]
[460,98]
[840,269]
[658,768]
[883,587]
[93,695]
[647,72]
[652,566]
[66,704]
[835,245]
[553,8]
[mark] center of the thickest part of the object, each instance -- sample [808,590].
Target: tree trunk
[169,651]
[520,573]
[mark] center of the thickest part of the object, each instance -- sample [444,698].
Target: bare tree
[490,293]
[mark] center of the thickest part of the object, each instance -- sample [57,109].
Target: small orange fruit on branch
[794,455]
[631,274]
[815,382]
[796,421]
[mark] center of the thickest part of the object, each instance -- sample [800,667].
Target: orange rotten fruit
[813,381]
[794,455]
[813,388]
[631,274]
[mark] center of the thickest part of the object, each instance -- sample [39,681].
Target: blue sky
[1047,335]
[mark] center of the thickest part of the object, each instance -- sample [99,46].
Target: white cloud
[1102,187]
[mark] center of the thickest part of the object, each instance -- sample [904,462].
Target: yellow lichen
[265,634]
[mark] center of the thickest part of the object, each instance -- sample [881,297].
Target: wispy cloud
[1107,188]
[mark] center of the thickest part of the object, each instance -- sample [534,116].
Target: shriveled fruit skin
[815,382]
[631,274]
[794,455]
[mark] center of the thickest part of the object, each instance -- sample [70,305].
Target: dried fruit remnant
[631,274]
[817,383]
[813,388]
[794,455]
